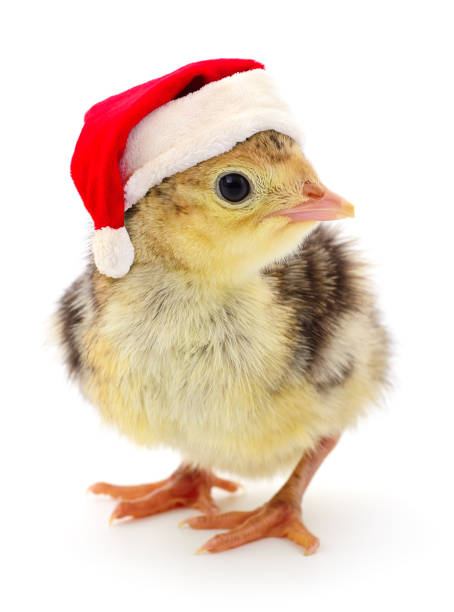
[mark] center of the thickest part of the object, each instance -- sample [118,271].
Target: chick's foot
[275,519]
[186,487]
[278,518]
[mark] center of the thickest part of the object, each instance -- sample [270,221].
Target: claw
[114,520]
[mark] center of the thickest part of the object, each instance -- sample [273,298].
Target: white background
[372,86]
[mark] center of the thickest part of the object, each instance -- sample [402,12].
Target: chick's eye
[233,187]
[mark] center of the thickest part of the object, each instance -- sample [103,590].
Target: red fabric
[94,165]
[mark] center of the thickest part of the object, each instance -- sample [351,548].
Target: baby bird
[244,336]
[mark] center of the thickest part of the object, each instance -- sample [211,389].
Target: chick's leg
[186,487]
[280,517]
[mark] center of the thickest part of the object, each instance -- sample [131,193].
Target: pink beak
[321,205]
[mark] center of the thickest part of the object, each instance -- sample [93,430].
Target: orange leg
[186,487]
[279,518]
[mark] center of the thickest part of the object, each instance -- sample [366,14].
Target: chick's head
[230,216]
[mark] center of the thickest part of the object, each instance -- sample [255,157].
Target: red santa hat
[132,141]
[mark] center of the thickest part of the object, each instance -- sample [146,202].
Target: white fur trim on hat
[200,125]
[113,251]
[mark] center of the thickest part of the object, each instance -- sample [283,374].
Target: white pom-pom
[113,251]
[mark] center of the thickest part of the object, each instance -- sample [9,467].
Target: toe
[124,492]
[303,537]
[228,520]
[208,507]
[255,525]
[154,503]
[232,539]
[227,485]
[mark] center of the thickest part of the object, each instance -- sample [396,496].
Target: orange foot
[187,487]
[275,519]
[278,518]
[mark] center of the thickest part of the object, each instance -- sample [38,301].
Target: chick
[244,336]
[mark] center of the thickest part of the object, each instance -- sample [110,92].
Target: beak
[320,204]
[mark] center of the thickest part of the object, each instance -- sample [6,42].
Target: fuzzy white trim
[202,124]
[113,251]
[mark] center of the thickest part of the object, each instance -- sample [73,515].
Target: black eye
[233,187]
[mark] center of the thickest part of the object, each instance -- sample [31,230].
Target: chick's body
[238,342]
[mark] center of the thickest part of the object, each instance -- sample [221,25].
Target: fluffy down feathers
[239,348]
